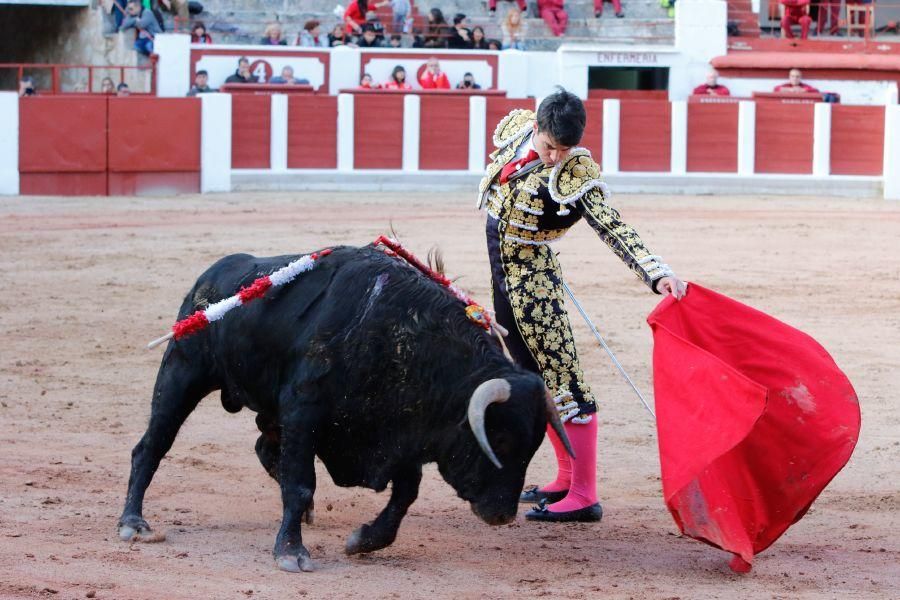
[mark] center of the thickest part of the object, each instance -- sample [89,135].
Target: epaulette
[574,177]
[513,126]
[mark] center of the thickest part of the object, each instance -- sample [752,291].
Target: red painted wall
[154,145]
[712,138]
[444,133]
[593,130]
[784,138]
[312,132]
[251,123]
[857,140]
[645,130]
[497,108]
[62,145]
[378,129]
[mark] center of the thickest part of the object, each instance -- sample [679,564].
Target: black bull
[365,363]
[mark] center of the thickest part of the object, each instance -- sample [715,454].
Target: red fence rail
[57,73]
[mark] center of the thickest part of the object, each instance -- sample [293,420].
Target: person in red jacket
[432,78]
[712,86]
[796,12]
[398,80]
[554,15]
[795,85]
[355,17]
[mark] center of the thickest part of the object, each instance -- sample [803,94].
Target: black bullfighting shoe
[588,514]
[534,495]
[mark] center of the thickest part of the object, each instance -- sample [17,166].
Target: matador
[538,184]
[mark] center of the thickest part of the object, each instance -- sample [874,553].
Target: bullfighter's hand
[672,285]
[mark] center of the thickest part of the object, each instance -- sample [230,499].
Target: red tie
[514,166]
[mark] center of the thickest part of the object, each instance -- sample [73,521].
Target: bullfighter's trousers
[528,301]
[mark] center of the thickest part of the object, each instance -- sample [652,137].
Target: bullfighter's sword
[600,339]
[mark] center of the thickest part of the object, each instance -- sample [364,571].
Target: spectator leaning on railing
[712,87]
[243,74]
[398,80]
[287,77]
[26,87]
[554,15]
[432,78]
[795,85]
[107,86]
[201,84]
[199,35]
[367,83]
[311,36]
[513,28]
[122,90]
[468,83]
[144,21]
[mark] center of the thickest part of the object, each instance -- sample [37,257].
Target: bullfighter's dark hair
[561,116]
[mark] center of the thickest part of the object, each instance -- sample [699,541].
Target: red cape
[754,419]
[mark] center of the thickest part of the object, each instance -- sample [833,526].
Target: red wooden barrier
[444,133]
[857,140]
[312,132]
[497,108]
[62,145]
[645,131]
[593,130]
[154,145]
[378,131]
[784,138]
[251,131]
[712,138]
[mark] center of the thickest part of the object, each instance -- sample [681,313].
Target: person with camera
[432,78]
[468,83]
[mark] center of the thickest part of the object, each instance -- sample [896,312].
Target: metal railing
[79,79]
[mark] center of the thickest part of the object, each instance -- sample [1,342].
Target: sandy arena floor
[90,281]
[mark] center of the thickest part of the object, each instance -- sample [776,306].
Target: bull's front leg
[382,532]
[297,478]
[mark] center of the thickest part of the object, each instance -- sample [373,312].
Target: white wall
[9,143]
[852,92]
[173,71]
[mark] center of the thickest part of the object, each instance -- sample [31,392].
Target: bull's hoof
[133,527]
[294,564]
[364,539]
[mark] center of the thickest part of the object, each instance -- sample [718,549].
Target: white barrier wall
[9,143]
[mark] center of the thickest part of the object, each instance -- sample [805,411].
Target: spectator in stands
[712,87]
[272,36]
[554,15]
[337,37]
[367,83]
[828,10]
[355,17]
[513,28]
[432,78]
[199,35]
[617,6]
[399,13]
[494,45]
[122,90]
[460,36]
[374,22]
[795,12]
[144,21]
[795,84]
[26,87]
[201,84]
[479,42]
[312,36]
[179,8]
[398,80]
[107,86]
[438,31]
[468,83]
[492,6]
[396,41]
[243,74]
[369,38]
[287,77]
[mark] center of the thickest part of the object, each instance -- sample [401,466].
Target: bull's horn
[493,390]
[556,424]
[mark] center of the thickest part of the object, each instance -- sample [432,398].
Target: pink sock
[583,489]
[563,465]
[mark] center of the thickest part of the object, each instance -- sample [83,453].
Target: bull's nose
[492,518]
